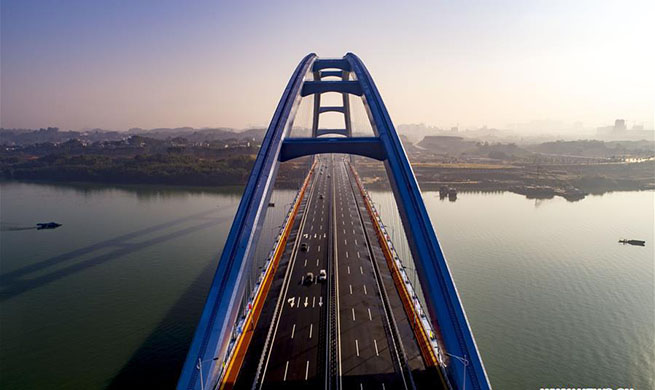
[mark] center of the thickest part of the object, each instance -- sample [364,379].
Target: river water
[110,299]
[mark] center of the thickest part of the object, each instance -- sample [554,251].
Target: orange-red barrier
[235,362]
[424,344]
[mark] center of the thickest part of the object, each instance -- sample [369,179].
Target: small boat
[452,194]
[443,192]
[47,225]
[632,242]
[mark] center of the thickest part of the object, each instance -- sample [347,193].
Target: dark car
[308,279]
[304,247]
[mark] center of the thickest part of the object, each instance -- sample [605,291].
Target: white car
[322,276]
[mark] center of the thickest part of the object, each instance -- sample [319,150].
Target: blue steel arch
[442,299]
[219,315]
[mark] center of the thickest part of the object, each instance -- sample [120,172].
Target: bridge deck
[376,347]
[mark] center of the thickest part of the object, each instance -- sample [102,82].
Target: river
[110,299]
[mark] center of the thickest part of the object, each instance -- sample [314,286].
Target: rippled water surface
[111,297]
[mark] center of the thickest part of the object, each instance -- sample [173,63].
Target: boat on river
[632,242]
[47,225]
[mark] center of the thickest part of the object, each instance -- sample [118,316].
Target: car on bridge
[308,279]
[322,276]
[304,247]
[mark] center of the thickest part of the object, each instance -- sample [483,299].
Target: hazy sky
[121,64]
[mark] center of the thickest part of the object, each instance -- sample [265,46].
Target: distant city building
[619,125]
[620,131]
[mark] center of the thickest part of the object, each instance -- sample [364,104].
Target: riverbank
[541,181]
[158,169]
[573,182]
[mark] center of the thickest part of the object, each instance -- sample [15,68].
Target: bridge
[332,306]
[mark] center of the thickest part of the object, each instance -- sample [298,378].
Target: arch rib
[214,329]
[443,302]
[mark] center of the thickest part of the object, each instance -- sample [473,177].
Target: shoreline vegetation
[191,174]
[571,169]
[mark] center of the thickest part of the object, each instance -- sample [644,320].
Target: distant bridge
[332,306]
